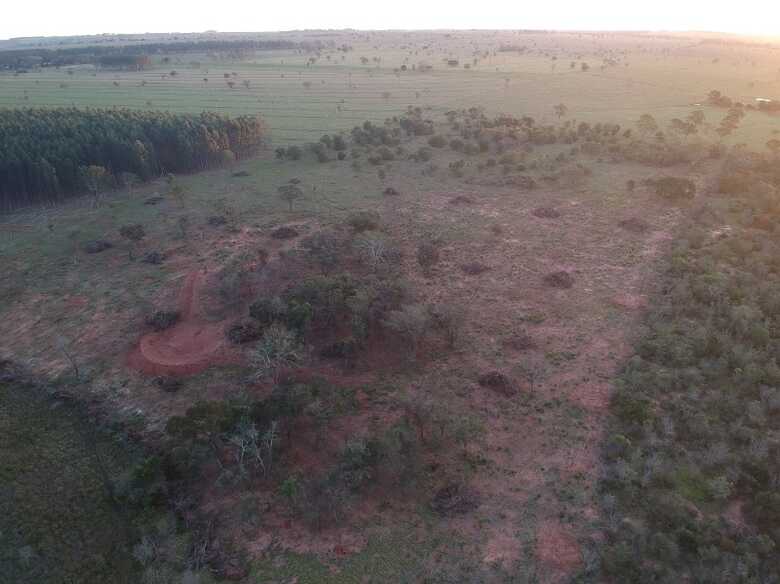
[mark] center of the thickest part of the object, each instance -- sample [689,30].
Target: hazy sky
[59,17]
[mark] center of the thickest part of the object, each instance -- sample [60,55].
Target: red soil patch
[190,346]
[557,552]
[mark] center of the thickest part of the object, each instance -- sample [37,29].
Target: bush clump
[245,331]
[674,188]
[97,245]
[361,221]
[498,382]
[437,141]
[284,232]
[560,279]
[163,319]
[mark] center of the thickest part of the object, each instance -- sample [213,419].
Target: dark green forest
[90,54]
[47,155]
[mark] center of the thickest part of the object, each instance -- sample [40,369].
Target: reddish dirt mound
[190,346]
[546,213]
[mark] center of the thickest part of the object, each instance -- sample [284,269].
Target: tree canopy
[44,153]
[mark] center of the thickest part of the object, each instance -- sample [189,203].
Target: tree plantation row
[47,155]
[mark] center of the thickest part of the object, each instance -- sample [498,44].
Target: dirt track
[191,345]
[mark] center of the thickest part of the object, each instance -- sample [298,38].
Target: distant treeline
[23,58]
[47,155]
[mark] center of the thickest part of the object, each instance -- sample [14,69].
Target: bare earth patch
[558,554]
[190,346]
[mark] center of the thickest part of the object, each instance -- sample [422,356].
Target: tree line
[47,155]
[45,57]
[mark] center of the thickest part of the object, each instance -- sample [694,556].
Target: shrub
[376,250]
[327,296]
[268,310]
[546,213]
[427,256]
[361,221]
[279,349]
[232,279]
[454,499]
[325,249]
[497,382]
[345,349]
[163,319]
[216,221]
[437,141]
[97,246]
[284,232]
[422,155]
[634,224]
[290,193]
[449,320]
[244,332]
[358,463]
[411,322]
[675,188]
[134,232]
[154,258]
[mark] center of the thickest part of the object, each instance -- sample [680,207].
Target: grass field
[301,101]
[57,522]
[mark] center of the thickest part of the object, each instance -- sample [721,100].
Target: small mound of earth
[634,225]
[390,192]
[546,213]
[97,245]
[474,268]
[454,499]
[561,279]
[498,382]
[461,200]
[284,232]
[520,341]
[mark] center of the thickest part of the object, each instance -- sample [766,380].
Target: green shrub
[361,221]
[437,141]
[163,319]
[674,188]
